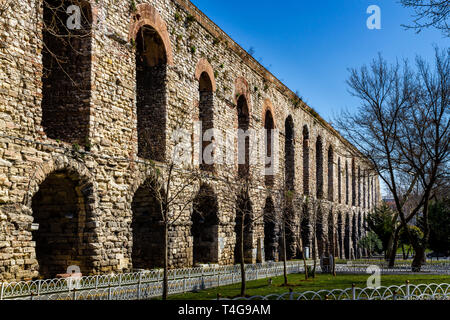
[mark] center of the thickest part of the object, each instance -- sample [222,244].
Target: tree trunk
[418,259]
[166,263]
[393,253]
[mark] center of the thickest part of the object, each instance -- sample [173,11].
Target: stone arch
[269,126]
[151,61]
[205,226]
[271,230]
[268,107]
[364,188]
[320,226]
[241,88]
[147,15]
[331,245]
[339,180]
[62,163]
[206,118]
[331,174]
[306,189]
[63,202]
[353,183]
[243,113]
[355,235]
[359,186]
[340,244]
[347,237]
[347,184]
[203,66]
[146,227]
[319,167]
[66,77]
[244,228]
[289,153]
[306,229]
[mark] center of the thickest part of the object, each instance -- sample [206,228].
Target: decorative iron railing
[405,292]
[142,285]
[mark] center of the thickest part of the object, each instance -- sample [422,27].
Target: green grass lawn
[298,284]
[397,261]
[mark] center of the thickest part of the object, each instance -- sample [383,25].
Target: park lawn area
[298,284]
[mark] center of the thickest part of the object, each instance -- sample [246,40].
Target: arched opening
[270,231]
[330,174]
[205,227]
[244,229]
[347,240]
[290,225]
[60,209]
[340,239]
[319,167]
[305,160]
[364,188]
[347,181]
[289,154]
[269,126]
[321,241]
[66,77]
[306,230]
[355,236]
[359,186]
[206,117]
[244,138]
[339,180]
[331,235]
[147,228]
[151,73]
[353,183]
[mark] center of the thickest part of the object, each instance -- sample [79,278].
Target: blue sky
[309,45]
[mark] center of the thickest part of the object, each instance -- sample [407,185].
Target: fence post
[109,291]
[120,280]
[353,292]
[2,291]
[39,287]
[395,295]
[291,294]
[75,294]
[407,290]
[139,286]
[96,282]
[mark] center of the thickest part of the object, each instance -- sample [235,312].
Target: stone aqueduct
[74,122]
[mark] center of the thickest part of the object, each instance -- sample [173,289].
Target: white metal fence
[143,285]
[360,268]
[405,292]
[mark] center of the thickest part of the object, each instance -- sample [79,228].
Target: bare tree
[240,187]
[402,127]
[429,13]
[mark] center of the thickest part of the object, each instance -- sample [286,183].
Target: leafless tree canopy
[429,13]
[403,127]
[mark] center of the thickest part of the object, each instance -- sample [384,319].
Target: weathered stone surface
[74,151]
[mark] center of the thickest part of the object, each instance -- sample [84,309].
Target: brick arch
[268,106]
[242,89]
[204,66]
[147,15]
[139,178]
[71,166]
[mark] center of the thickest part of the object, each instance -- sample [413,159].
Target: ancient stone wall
[73,154]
